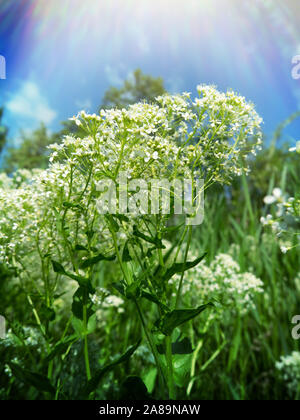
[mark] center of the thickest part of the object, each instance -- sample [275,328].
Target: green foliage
[98,375]
[173,319]
[133,388]
[140,87]
[32,152]
[181,267]
[37,380]
[3,132]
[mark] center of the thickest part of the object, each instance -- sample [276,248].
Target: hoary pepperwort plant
[50,219]
[287,216]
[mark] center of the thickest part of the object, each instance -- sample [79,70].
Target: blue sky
[62,56]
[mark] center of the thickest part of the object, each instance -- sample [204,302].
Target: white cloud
[113,75]
[28,103]
[143,41]
[85,104]
[174,84]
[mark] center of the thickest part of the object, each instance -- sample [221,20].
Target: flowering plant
[53,233]
[287,217]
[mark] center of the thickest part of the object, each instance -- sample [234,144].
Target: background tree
[139,87]
[32,152]
[3,131]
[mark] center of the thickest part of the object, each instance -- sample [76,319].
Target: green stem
[171,385]
[161,259]
[85,347]
[50,369]
[185,259]
[152,345]
[180,243]
[147,333]
[114,238]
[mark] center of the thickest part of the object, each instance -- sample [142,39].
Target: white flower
[284,249]
[223,280]
[277,193]
[289,367]
[269,199]
[266,220]
[296,148]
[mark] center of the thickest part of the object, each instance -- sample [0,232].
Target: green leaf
[78,326]
[154,299]
[156,241]
[61,347]
[133,291]
[40,382]
[113,223]
[183,346]
[133,388]
[180,267]
[235,345]
[58,295]
[47,313]
[181,365]
[57,267]
[94,260]
[80,248]
[81,297]
[179,347]
[173,319]
[92,324]
[82,281]
[121,217]
[70,205]
[90,233]
[119,287]
[93,383]
[125,255]
[173,228]
[149,379]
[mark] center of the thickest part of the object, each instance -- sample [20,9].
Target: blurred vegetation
[139,87]
[32,152]
[3,132]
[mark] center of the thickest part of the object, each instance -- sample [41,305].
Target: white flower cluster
[52,214]
[289,367]
[276,196]
[287,213]
[172,138]
[36,227]
[222,280]
[30,336]
[104,299]
[22,208]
